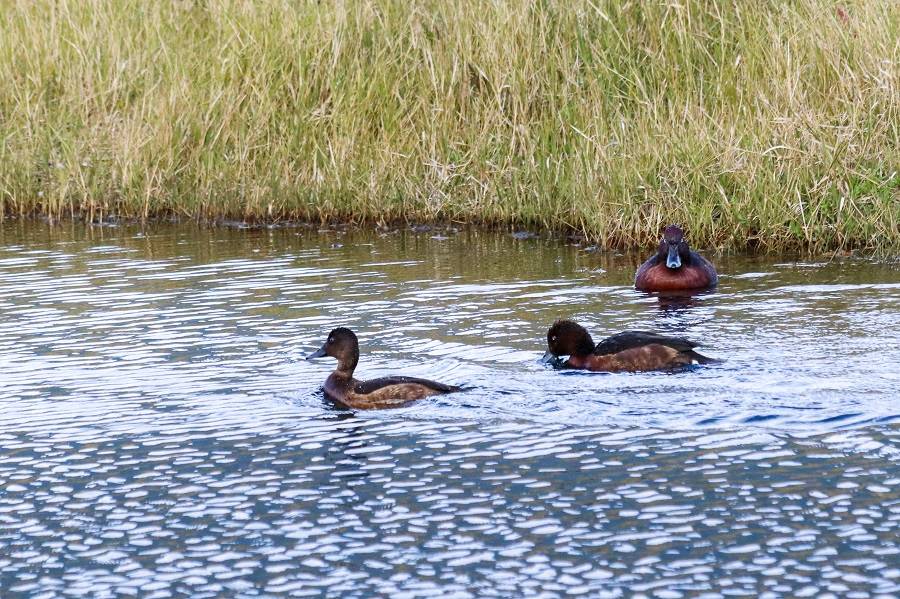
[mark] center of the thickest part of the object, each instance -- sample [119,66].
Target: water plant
[767,124]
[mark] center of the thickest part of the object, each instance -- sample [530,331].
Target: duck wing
[631,339]
[370,386]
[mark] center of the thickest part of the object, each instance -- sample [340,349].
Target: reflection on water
[160,434]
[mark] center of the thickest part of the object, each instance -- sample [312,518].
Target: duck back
[384,392]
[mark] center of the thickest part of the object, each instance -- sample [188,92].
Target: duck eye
[553,338]
[331,340]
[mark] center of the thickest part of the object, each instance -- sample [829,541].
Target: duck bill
[548,357]
[316,354]
[673,260]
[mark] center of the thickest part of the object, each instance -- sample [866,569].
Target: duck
[675,266]
[629,351]
[385,392]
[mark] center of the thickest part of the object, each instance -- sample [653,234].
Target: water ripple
[161,435]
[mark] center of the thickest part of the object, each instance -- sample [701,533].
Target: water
[161,436]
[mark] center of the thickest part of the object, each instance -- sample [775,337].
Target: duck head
[567,338]
[673,247]
[343,345]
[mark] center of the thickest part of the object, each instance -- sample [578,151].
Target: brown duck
[385,392]
[630,351]
[675,266]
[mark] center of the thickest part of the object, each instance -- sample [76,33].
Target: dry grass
[755,123]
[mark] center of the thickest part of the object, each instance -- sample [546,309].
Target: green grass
[772,124]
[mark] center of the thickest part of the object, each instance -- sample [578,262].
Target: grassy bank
[771,123]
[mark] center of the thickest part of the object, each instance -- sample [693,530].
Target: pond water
[161,434]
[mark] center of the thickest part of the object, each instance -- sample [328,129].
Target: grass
[768,124]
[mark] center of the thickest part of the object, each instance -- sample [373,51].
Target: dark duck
[385,392]
[630,351]
[675,267]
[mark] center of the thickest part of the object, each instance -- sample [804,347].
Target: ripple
[161,435]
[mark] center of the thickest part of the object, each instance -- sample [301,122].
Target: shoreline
[442,230]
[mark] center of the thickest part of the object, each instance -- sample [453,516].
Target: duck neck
[585,346]
[347,364]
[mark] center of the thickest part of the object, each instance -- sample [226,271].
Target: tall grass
[764,123]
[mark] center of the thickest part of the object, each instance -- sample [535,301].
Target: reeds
[771,124]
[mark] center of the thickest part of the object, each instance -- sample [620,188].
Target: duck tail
[700,358]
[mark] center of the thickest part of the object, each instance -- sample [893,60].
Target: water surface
[161,435]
